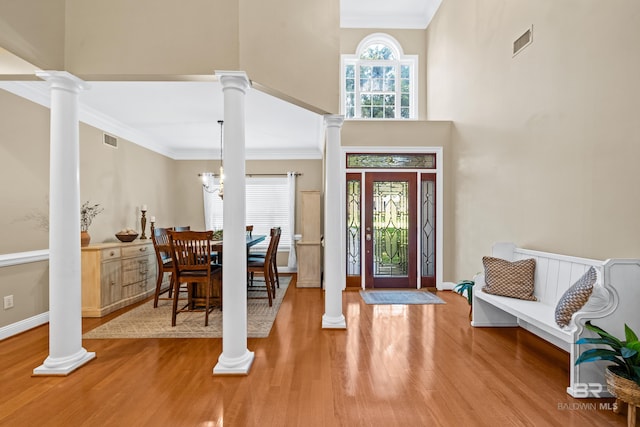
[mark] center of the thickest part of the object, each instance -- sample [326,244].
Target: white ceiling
[179,119]
[406,14]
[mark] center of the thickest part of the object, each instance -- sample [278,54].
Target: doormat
[400,297]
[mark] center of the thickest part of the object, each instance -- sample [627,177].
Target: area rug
[148,322]
[400,297]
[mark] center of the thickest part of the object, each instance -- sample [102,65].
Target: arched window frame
[354,109]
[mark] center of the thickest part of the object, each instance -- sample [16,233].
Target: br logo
[582,390]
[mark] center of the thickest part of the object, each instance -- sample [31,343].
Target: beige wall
[293,46]
[24,173]
[545,144]
[151,36]
[34,30]
[413,42]
[120,180]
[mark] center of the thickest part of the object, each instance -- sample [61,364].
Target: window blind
[267,206]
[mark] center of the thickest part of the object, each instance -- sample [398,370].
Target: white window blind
[267,206]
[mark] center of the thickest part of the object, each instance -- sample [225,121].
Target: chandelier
[207,177]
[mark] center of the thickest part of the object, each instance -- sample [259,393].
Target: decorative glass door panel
[354,230]
[428,230]
[390,230]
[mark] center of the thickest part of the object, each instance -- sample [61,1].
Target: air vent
[109,140]
[523,41]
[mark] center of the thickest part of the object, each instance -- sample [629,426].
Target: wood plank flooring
[419,365]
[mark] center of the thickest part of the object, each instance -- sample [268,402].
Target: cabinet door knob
[112,253]
[143,249]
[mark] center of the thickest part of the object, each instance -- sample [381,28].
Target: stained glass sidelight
[353,228]
[390,227]
[428,232]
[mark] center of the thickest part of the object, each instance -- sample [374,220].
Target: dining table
[252,240]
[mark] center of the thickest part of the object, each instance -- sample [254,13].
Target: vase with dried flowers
[87,213]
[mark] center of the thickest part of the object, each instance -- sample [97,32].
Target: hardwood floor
[394,366]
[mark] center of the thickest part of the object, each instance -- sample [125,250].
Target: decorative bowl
[126,237]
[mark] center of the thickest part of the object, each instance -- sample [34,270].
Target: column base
[63,366]
[329,322]
[236,366]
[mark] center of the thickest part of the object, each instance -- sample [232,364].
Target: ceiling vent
[523,41]
[109,140]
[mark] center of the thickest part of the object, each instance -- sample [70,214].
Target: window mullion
[357,113]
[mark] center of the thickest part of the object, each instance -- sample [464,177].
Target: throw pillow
[575,297]
[509,279]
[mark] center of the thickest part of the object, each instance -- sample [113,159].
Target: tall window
[379,81]
[267,205]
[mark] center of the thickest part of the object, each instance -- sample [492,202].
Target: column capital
[333,120]
[63,80]
[234,79]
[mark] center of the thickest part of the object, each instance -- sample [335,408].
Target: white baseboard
[23,325]
[446,286]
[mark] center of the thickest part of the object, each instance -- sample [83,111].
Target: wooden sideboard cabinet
[115,275]
[309,249]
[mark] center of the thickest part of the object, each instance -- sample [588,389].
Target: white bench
[614,302]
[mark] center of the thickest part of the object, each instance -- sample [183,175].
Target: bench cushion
[575,297]
[510,279]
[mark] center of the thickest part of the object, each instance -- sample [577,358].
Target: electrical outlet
[8,302]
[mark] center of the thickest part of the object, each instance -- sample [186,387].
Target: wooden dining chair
[261,255]
[162,248]
[264,266]
[191,254]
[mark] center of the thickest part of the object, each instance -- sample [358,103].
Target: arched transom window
[379,81]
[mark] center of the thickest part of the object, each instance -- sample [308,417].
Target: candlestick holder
[143,223]
[153,228]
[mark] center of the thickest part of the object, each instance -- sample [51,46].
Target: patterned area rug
[148,322]
[400,297]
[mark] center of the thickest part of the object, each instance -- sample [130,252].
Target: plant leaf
[595,354]
[629,334]
[593,341]
[612,341]
[627,352]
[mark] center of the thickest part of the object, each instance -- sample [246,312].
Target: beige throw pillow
[575,297]
[509,279]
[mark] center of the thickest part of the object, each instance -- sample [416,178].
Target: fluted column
[333,272]
[65,305]
[235,357]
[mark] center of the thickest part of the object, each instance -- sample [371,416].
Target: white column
[235,357]
[333,272]
[65,305]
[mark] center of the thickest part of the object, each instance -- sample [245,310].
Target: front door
[390,230]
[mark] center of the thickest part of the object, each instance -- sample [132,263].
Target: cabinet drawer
[137,250]
[135,270]
[112,253]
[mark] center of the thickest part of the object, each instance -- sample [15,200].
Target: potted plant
[87,213]
[466,286]
[623,378]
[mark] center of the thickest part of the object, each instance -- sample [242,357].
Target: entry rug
[145,321]
[400,297]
